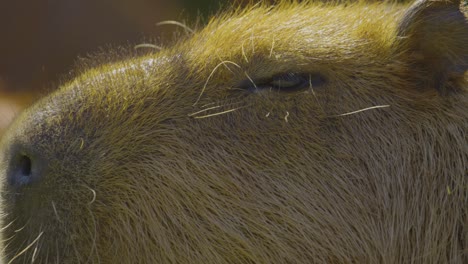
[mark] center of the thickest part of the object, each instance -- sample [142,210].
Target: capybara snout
[286,133]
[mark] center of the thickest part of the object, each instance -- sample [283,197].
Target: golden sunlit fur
[199,153]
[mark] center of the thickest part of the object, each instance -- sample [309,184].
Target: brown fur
[191,155]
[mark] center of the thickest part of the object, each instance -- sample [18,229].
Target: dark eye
[286,82]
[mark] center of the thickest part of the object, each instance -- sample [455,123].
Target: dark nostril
[24,166]
[23,170]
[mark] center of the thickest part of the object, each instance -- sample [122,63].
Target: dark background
[40,40]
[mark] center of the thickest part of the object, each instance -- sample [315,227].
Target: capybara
[285,133]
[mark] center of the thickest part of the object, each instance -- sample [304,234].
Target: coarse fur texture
[287,133]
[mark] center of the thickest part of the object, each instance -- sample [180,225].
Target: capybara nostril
[23,170]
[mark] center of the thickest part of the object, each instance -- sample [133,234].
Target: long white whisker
[26,248]
[34,255]
[219,113]
[204,110]
[176,23]
[211,75]
[5,227]
[362,110]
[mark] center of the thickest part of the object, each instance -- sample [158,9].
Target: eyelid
[285,82]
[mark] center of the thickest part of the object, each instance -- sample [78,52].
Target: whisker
[176,23]
[204,110]
[8,225]
[250,79]
[26,248]
[21,228]
[229,69]
[55,212]
[147,45]
[311,88]
[211,75]
[212,107]
[94,195]
[34,255]
[205,105]
[362,110]
[219,113]
[286,117]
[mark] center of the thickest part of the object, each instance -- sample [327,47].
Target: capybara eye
[286,82]
[292,82]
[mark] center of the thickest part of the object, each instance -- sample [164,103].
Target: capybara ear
[434,34]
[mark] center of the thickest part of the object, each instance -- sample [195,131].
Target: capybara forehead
[320,31]
[264,40]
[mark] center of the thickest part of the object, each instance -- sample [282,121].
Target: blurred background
[40,40]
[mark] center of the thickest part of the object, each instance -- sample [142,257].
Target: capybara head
[292,133]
